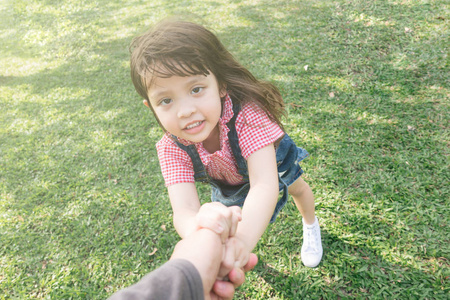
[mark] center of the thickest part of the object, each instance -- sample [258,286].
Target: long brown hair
[183,48]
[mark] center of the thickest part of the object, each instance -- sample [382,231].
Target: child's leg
[312,242]
[304,199]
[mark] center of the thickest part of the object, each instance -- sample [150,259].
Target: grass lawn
[83,208]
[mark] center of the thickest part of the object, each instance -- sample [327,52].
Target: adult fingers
[236,276]
[222,290]
[252,261]
[226,289]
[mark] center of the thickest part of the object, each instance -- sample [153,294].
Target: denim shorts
[288,157]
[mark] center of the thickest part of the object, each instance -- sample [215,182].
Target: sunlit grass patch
[83,207]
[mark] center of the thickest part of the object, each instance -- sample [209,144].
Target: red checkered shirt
[254,129]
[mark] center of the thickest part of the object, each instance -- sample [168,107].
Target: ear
[223,91]
[146,103]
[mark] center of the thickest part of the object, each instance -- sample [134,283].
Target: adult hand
[226,289]
[204,250]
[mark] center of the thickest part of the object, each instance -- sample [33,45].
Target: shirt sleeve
[176,165]
[177,279]
[255,130]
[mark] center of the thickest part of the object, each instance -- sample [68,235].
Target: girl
[222,126]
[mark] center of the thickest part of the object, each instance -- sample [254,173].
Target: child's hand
[219,218]
[236,255]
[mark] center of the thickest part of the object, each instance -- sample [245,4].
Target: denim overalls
[288,156]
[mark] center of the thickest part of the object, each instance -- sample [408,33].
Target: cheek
[215,110]
[163,120]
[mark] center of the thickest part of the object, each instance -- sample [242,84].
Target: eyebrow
[195,78]
[156,96]
[190,81]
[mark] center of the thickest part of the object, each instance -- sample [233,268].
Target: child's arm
[185,206]
[262,197]
[189,216]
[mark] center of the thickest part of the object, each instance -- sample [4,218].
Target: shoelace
[311,237]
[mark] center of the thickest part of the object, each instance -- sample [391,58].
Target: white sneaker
[312,244]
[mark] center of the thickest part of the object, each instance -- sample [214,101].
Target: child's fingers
[235,219]
[228,217]
[214,216]
[241,259]
[237,212]
[219,218]
[235,256]
[228,261]
[240,252]
[224,215]
[210,223]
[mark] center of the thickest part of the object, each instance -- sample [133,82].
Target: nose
[186,108]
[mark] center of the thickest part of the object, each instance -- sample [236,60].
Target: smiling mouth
[193,125]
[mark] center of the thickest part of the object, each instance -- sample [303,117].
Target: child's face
[188,107]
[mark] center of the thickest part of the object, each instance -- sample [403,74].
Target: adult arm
[190,273]
[177,279]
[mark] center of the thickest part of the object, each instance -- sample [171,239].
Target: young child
[222,126]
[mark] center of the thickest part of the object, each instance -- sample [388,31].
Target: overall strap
[200,174]
[234,144]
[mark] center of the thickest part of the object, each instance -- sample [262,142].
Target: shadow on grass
[358,271]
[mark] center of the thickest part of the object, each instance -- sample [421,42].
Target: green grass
[83,208]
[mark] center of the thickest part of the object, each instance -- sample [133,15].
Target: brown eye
[197,90]
[165,101]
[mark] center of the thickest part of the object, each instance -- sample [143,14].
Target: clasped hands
[237,257]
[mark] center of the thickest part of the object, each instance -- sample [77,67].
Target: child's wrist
[245,243]
[188,230]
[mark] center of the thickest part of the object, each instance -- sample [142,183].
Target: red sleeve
[255,130]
